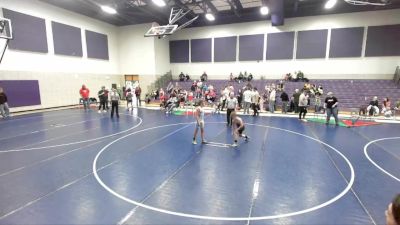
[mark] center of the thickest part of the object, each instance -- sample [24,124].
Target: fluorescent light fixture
[210,17]
[108,9]
[330,4]
[160,3]
[264,10]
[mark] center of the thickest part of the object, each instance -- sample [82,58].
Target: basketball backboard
[5,28]
[161,31]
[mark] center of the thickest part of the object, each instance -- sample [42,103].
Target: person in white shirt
[303,102]
[114,97]
[247,94]
[271,102]
[231,105]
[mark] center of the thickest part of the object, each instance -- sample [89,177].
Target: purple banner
[21,92]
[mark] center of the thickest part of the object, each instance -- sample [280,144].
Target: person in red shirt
[84,92]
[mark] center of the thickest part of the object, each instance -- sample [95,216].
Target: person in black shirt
[102,98]
[4,109]
[374,105]
[330,105]
[285,100]
[181,77]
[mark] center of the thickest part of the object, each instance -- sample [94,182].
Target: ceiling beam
[238,4]
[211,6]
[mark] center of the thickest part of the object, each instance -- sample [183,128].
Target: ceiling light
[108,9]
[160,3]
[330,4]
[210,17]
[264,10]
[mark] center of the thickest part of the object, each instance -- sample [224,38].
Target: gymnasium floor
[76,167]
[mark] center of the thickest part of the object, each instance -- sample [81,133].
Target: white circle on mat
[373,162]
[194,216]
[76,142]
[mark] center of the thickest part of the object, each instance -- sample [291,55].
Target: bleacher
[350,93]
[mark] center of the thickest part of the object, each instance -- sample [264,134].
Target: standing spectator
[224,96]
[272,98]
[291,104]
[102,98]
[247,94]
[114,97]
[296,96]
[231,77]
[255,100]
[84,92]
[4,109]
[303,102]
[330,105]
[107,93]
[181,77]
[231,105]
[373,107]
[138,92]
[129,97]
[393,212]
[285,100]
[240,98]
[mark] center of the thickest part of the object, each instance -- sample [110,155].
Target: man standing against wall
[84,92]
[138,91]
[247,94]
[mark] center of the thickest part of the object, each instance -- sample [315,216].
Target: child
[238,127]
[199,123]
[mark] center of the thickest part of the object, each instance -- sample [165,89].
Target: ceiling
[226,11]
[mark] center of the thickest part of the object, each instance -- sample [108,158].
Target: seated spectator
[204,77]
[288,77]
[240,77]
[386,110]
[245,76]
[171,103]
[373,107]
[250,77]
[187,77]
[393,212]
[181,77]
[231,77]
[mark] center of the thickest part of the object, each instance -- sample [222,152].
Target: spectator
[285,100]
[187,77]
[393,212]
[240,77]
[102,98]
[373,107]
[303,102]
[386,110]
[255,100]
[250,77]
[181,77]
[84,92]
[296,96]
[4,109]
[129,97]
[247,94]
[231,77]
[138,92]
[114,97]
[193,87]
[291,105]
[170,87]
[240,98]
[330,105]
[107,93]
[272,99]
[204,77]
[280,86]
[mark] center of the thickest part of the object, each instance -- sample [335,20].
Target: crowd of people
[105,96]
